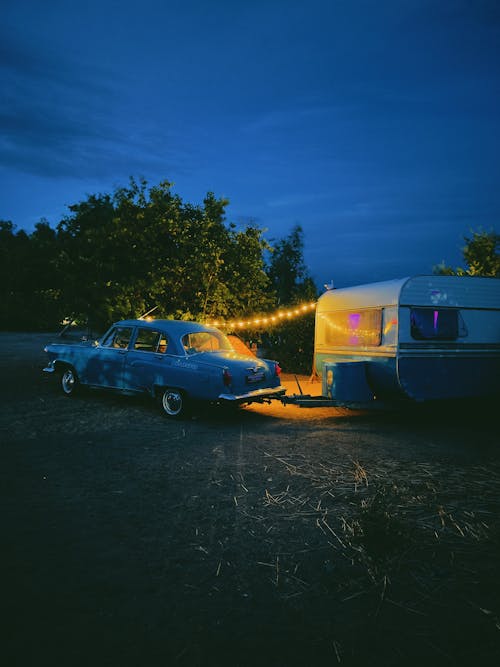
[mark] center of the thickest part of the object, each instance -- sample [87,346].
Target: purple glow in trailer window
[436,317]
[354,320]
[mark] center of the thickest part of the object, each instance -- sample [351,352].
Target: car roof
[173,326]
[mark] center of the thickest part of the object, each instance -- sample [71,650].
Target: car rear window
[205,341]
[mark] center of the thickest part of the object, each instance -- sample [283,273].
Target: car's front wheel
[69,381]
[174,403]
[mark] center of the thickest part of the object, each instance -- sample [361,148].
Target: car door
[107,363]
[146,356]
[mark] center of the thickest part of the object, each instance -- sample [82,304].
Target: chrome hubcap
[172,402]
[68,382]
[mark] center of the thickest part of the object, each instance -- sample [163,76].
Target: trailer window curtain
[351,328]
[436,324]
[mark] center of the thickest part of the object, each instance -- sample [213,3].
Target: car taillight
[226,377]
[277,370]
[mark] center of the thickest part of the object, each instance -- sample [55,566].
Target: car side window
[162,344]
[150,341]
[119,337]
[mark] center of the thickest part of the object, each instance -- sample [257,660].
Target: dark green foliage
[291,342]
[29,278]
[481,254]
[289,276]
[119,255]
[140,249]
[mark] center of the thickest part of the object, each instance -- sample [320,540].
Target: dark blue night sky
[374,125]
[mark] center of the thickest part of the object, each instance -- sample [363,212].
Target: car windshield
[205,341]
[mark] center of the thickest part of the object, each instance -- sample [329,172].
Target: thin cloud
[299,199]
[57,120]
[282,118]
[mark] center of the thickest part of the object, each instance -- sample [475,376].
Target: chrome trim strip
[451,346]
[451,354]
[357,352]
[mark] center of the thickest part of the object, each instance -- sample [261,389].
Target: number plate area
[255,376]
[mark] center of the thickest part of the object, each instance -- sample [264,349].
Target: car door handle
[122,351]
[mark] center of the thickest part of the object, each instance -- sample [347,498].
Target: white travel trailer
[421,338]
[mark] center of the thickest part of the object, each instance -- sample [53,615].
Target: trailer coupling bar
[308,401]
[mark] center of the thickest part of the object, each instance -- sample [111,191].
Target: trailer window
[351,327]
[436,324]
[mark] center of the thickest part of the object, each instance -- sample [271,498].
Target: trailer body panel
[420,338]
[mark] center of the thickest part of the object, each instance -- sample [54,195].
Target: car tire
[69,381]
[174,403]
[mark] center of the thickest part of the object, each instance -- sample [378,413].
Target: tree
[481,254]
[10,262]
[292,341]
[118,255]
[43,295]
[243,277]
[87,260]
[141,248]
[287,271]
[27,278]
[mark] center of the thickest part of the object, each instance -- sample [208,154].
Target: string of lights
[265,320]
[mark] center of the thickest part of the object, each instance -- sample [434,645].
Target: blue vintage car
[173,361]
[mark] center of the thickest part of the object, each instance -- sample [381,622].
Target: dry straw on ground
[401,536]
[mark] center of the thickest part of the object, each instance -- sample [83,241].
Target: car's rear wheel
[174,403]
[69,381]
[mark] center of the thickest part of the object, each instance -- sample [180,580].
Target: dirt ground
[270,536]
